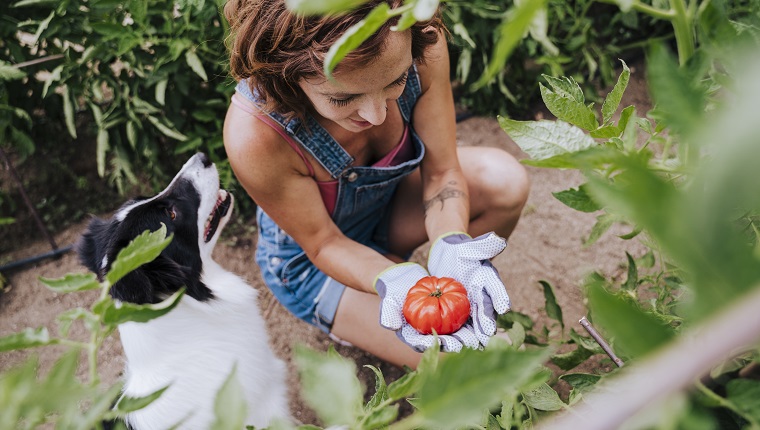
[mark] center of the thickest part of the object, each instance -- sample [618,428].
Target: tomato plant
[437,304]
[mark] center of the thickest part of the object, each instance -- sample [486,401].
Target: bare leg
[357,321]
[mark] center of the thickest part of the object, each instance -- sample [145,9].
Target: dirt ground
[547,245]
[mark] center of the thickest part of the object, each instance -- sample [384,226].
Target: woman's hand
[459,256]
[392,286]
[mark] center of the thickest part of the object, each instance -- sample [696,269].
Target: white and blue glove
[392,286]
[459,256]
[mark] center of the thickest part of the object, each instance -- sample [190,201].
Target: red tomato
[438,304]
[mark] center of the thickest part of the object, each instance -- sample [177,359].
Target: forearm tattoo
[449,192]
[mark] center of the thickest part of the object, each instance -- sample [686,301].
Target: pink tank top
[329,189]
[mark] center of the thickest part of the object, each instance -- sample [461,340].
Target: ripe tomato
[438,304]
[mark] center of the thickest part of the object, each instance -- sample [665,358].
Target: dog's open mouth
[223,202]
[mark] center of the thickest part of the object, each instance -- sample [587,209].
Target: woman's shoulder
[253,144]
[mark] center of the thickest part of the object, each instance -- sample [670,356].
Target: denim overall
[361,213]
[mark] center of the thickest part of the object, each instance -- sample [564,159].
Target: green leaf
[571,359]
[128,404]
[25,3]
[406,21]
[545,139]
[230,406]
[567,107]
[42,27]
[633,274]
[744,394]
[322,7]
[380,418]
[144,248]
[167,130]
[470,381]
[601,226]
[115,313]
[516,335]
[29,338]
[612,101]
[405,386]
[161,91]
[72,282]
[67,318]
[68,111]
[381,390]
[355,36]
[9,72]
[330,386]
[679,103]
[543,398]
[195,64]
[511,31]
[581,383]
[423,10]
[635,331]
[101,150]
[553,310]
[578,199]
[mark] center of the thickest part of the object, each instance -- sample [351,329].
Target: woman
[351,174]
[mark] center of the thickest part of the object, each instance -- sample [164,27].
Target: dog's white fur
[194,347]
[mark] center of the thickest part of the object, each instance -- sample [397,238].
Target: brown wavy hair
[274,48]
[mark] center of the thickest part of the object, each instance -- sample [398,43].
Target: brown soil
[547,245]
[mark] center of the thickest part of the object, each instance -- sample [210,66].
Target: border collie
[217,323]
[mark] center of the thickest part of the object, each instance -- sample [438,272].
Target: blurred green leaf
[511,31]
[743,393]
[470,381]
[330,386]
[128,404]
[144,248]
[28,338]
[115,313]
[355,36]
[679,102]
[71,282]
[320,7]
[635,331]
[230,405]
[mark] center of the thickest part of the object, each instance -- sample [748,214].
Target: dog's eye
[171,213]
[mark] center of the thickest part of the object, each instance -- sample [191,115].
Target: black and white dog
[217,324]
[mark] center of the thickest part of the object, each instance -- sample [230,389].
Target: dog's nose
[205,160]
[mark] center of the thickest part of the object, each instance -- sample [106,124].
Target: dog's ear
[92,246]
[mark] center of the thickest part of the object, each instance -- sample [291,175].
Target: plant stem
[682,26]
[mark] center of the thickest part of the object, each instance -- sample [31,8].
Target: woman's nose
[374,112]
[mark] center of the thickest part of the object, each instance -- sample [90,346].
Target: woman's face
[356,99]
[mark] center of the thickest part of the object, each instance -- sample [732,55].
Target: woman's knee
[498,181]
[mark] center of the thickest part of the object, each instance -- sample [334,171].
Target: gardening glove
[392,286]
[459,256]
